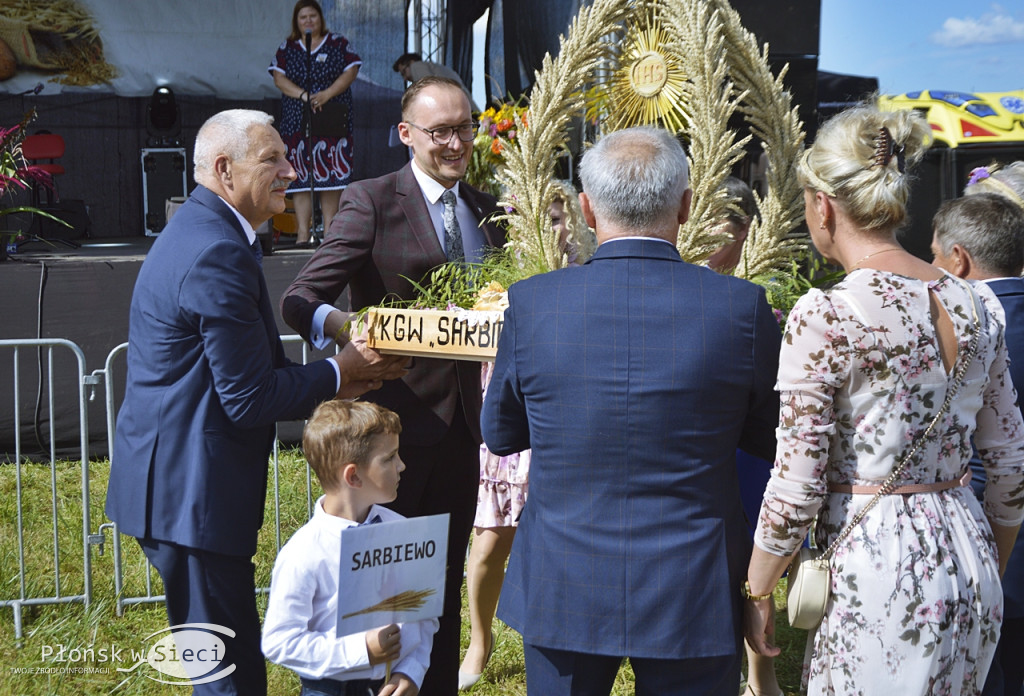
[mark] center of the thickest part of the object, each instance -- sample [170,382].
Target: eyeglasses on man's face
[443,135]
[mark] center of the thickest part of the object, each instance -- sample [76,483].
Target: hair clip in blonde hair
[982,176]
[978,174]
[812,177]
[886,148]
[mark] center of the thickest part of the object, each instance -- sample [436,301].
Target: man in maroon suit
[388,231]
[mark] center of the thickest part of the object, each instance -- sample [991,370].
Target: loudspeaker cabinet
[164,176]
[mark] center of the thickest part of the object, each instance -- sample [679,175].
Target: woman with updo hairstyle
[867,375]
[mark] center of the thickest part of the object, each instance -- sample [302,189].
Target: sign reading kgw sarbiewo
[460,334]
[392,572]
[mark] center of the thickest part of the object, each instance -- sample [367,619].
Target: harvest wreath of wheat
[687,65]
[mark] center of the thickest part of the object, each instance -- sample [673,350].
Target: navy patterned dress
[332,157]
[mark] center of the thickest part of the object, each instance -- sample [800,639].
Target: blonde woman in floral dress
[916,602]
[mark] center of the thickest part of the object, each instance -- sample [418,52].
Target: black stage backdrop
[83,296]
[105,135]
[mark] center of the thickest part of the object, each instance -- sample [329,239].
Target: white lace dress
[916,600]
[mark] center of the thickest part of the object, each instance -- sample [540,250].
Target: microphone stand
[314,207]
[31,90]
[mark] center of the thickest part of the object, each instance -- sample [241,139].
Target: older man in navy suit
[633,378]
[207,380]
[980,237]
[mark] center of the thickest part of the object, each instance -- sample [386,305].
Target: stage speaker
[791,27]
[802,82]
[163,177]
[73,212]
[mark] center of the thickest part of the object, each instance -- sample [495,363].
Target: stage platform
[83,294]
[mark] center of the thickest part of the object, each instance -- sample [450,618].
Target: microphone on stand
[31,90]
[309,131]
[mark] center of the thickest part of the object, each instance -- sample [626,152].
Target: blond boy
[353,449]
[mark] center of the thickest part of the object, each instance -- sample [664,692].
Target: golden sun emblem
[647,87]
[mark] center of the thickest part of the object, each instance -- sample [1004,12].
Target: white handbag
[808,589]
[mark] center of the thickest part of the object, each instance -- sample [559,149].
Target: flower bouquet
[497,131]
[15,176]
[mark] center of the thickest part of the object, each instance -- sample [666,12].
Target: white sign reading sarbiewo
[392,572]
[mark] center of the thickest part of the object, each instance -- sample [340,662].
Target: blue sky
[910,44]
[917,44]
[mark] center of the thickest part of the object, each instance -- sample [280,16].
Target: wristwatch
[745,592]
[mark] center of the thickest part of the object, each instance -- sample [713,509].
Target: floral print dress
[916,600]
[332,157]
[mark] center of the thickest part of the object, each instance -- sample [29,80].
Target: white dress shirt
[473,240]
[299,630]
[250,233]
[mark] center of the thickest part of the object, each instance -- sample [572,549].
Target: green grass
[75,626]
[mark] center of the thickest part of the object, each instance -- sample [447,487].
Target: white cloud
[994,27]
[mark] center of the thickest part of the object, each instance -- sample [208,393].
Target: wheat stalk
[527,171]
[410,600]
[767,107]
[712,100]
[727,74]
[64,17]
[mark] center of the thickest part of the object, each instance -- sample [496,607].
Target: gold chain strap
[890,483]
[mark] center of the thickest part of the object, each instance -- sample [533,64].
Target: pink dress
[503,480]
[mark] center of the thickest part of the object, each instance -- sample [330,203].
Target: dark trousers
[333,687]
[444,478]
[563,673]
[1006,675]
[212,588]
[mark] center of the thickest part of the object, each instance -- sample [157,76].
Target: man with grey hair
[980,237]
[207,380]
[633,543]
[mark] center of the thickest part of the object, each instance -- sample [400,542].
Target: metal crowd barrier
[48,588]
[123,599]
[28,593]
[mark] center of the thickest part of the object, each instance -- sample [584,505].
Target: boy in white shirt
[353,449]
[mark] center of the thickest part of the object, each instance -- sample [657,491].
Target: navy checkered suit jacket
[633,378]
[1010,292]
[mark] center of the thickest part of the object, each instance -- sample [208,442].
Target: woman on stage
[324,91]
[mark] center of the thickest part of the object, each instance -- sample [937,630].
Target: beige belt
[902,490]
